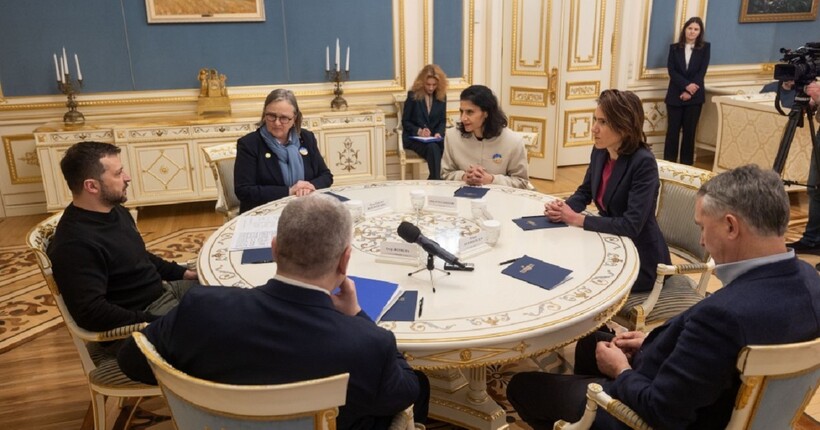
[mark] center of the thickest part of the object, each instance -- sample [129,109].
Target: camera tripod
[800,108]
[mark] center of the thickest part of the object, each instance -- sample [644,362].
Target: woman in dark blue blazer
[687,64]
[280,158]
[424,115]
[622,180]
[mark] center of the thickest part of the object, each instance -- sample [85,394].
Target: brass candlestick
[67,87]
[337,77]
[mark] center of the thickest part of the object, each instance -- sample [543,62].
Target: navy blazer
[279,333]
[258,177]
[415,116]
[685,376]
[680,76]
[630,199]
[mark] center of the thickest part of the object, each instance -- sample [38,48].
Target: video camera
[802,64]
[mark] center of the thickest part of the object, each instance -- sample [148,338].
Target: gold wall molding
[20,156]
[539,65]
[591,60]
[532,125]
[468,18]
[654,116]
[582,90]
[528,96]
[578,127]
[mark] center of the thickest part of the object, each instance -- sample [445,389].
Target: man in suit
[106,276]
[683,375]
[293,328]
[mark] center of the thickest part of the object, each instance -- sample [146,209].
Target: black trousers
[686,118]
[431,152]
[541,398]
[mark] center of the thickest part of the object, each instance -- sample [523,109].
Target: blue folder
[340,197]
[374,295]
[404,309]
[537,222]
[537,272]
[471,192]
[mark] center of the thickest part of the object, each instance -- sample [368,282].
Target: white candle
[57,68]
[347,60]
[338,63]
[327,58]
[77,61]
[62,70]
[65,62]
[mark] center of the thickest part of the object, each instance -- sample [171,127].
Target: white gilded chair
[221,159]
[530,145]
[406,156]
[105,379]
[197,403]
[777,382]
[669,297]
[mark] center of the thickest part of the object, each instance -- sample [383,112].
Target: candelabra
[67,87]
[337,77]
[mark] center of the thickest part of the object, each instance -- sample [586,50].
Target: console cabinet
[167,165]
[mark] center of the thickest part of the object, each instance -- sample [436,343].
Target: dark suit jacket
[415,116]
[279,333]
[680,76]
[685,376]
[630,199]
[258,178]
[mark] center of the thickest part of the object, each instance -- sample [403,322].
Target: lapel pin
[303,151]
[267,155]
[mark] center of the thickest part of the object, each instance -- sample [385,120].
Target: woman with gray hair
[280,158]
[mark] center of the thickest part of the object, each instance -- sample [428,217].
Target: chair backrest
[197,403]
[530,141]
[221,159]
[676,208]
[778,381]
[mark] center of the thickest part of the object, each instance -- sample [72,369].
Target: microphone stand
[430,268]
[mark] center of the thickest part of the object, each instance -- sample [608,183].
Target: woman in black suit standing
[280,158]
[424,116]
[687,64]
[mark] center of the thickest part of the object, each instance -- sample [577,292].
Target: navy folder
[537,222]
[471,192]
[374,295]
[537,272]
[404,309]
[259,255]
[341,198]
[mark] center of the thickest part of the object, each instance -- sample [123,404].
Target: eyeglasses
[272,117]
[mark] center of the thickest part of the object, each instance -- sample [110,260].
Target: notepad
[427,139]
[537,222]
[537,272]
[404,309]
[471,192]
[257,256]
[375,296]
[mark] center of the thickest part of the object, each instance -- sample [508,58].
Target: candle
[65,63]
[77,61]
[62,71]
[57,68]
[327,58]
[338,63]
[347,59]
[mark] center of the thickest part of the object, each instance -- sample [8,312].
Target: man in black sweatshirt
[106,276]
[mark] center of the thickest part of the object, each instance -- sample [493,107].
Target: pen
[512,260]
[421,306]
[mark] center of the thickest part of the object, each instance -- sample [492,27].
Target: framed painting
[778,10]
[173,11]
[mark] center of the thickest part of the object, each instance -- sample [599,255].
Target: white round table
[474,318]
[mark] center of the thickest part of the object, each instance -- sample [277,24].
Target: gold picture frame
[766,11]
[175,11]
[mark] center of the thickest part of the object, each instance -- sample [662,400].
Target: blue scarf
[290,161]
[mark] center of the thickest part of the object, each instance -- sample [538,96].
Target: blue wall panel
[120,51]
[448,36]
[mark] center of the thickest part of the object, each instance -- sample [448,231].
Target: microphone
[412,234]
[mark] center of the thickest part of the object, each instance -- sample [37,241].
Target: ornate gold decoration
[349,157]
[746,390]
[28,158]
[541,62]
[531,125]
[461,408]
[466,355]
[578,127]
[553,85]
[582,90]
[523,96]
[655,117]
[163,169]
[593,61]
[213,94]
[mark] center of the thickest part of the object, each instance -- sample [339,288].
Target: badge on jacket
[303,151]
[497,158]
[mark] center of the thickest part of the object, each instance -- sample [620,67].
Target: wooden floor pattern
[42,386]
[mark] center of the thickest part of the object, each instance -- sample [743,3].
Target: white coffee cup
[417,199]
[492,228]
[478,207]
[356,208]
